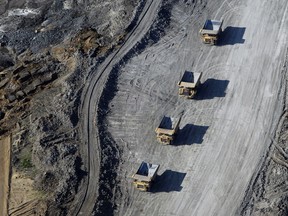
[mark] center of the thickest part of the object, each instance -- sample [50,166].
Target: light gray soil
[268,192]
[225,132]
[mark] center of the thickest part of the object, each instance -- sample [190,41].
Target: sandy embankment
[4,177]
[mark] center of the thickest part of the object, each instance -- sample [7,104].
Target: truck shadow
[211,88]
[231,35]
[190,134]
[167,182]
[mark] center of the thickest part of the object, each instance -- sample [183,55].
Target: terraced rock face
[20,82]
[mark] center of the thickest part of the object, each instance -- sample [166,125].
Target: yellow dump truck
[189,83]
[167,130]
[145,175]
[211,30]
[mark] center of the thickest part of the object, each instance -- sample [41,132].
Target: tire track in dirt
[238,126]
[110,155]
[90,111]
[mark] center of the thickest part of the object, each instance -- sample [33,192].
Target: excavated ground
[225,133]
[48,49]
[268,191]
[83,84]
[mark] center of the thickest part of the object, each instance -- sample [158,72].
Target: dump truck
[167,130]
[188,84]
[211,31]
[145,175]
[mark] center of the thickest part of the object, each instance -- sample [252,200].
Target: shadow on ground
[211,88]
[190,134]
[231,35]
[169,181]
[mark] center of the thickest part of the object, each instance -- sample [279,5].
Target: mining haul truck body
[188,84]
[145,175]
[167,130]
[211,31]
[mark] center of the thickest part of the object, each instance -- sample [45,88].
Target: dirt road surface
[5,172]
[89,109]
[225,131]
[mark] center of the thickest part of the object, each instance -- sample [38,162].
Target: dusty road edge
[248,199]
[98,79]
[5,158]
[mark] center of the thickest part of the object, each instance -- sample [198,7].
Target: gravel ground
[225,132]
[267,194]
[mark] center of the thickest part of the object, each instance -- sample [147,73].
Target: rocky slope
[48,48]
